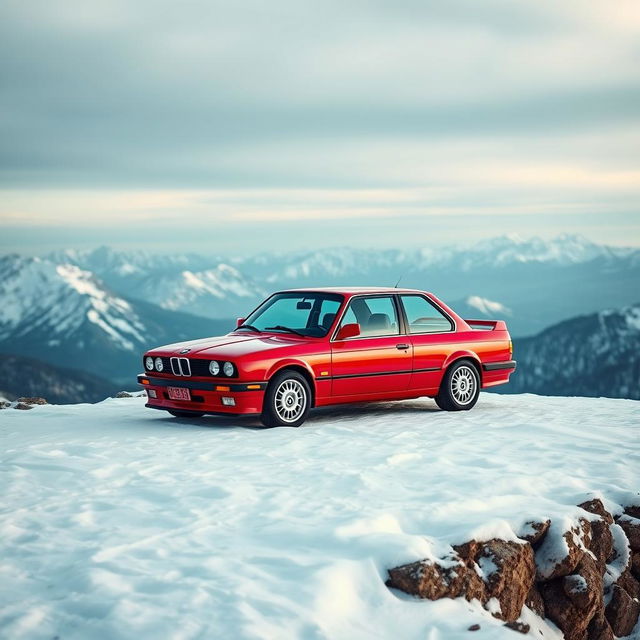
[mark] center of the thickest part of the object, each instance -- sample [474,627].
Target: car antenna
[397,283]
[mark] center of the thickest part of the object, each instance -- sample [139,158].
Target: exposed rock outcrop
[584,577]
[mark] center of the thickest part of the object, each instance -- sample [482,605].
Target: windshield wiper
[280,327]
[249,326]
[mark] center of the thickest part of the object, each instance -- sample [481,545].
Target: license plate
[178,393]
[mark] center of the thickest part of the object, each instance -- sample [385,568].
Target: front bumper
[206,396]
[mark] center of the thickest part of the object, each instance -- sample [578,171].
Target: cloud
[153,110]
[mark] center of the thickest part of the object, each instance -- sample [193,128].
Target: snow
[121,522]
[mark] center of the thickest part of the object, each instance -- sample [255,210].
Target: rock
[534,601]
[595,506]
[559,555]
[123,394]
[572,601]
[518,626]
[474,627]
[635,564]
[32,401]
[627,582]
[23,407]
[509,570]
[633,510]
[4,404]
[599,628]
[631,527]
[601,539]
[601,542]
[622,612]
[428,579]
[534,531]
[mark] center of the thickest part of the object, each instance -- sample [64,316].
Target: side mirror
[348,331]
[240,321]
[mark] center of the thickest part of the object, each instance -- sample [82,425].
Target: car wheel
[287,400]
[460,387]
[186,414]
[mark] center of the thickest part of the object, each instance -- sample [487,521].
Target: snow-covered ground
[120,522]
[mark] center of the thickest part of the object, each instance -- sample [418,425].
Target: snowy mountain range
[533,283]
[66,316]
[98,310]
[593,355]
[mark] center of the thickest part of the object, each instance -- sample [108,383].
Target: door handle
[402,346]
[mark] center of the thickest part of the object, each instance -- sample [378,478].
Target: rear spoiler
[488,325]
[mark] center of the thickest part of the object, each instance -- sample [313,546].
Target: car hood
[230,346]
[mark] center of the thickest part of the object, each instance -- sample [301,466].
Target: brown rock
[631,527]
[601,539]
[123,394]
[535,531]
[34,400]
[534,601]
[23,407]
[627,582]
[509,571]
[599,628]
[622,612]
[474,627]
[555,558]
[635,564]
[427,579]
[633,510]
[595,506]
[521,627]
[601,542]
[4,404]
[572,601]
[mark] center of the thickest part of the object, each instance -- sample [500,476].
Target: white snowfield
[121,522]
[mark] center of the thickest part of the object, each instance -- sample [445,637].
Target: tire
[460,387]
[186,414]
[287,400]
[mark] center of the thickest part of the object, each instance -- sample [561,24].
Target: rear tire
[287,400]
[460,387]
[185,414]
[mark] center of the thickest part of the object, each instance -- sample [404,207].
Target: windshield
[306,314]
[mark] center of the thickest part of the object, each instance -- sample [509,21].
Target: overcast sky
[252,125]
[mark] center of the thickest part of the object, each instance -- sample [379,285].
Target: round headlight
[148,363]
[159,365]
[228,369]
[214,368]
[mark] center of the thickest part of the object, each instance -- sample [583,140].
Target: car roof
[351,291]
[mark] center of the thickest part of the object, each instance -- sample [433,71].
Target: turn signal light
[221,388]
[144,381]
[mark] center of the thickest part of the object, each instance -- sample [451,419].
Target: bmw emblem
[185,351]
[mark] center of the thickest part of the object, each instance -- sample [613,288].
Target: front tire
[185,414]
[460,387]
[287,400]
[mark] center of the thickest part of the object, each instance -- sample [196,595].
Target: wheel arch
[456,357]
[300,367]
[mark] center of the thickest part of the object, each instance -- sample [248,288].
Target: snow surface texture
[121,522]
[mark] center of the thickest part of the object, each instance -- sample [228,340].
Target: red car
[308,348]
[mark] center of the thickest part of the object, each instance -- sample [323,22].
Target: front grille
[199,368]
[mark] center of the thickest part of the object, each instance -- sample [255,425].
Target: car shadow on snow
[337,413]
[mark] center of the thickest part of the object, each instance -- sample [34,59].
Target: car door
[378,361]
[430,332]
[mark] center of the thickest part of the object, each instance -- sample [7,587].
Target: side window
[376,316]
[423,317]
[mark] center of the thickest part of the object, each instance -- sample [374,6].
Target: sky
[246,126]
